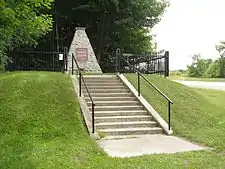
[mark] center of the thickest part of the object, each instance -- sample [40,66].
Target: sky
[191,27]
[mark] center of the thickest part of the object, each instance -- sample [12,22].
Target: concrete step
[103,84]
[105,87]
[120,113]
[107,90]
[101,80]
[111,99]
[131,131]
[116,108]
[109,94]
[114,103]
[122,118]
[101,77]
[132,124]
[118,137]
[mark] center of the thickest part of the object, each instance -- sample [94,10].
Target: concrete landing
[147,145]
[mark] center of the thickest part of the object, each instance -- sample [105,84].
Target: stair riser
[108,95]
[125,126]
[106,91]
[115,104]
[120,114]
[122,120]
[116,108]
[111,99]
[142,132]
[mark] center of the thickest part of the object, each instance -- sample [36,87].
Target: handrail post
[72,63]
[169,105]
[80,84]
[139,89]
[93,118]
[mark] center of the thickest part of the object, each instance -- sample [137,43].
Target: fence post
[117,59]
[166,63]
[65,58]
[118,54]
[168,68]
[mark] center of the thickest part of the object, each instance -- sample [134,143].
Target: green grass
[197,79]
[41,126]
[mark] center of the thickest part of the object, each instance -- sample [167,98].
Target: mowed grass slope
[40,123]
[197,114]
[41,127]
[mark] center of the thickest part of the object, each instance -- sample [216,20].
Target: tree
[109,24]
[198,66]
[213,70]
[110,21]
[221,49]
[22,22]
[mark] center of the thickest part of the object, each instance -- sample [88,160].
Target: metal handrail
[157,89]
[81,78]
[118,58]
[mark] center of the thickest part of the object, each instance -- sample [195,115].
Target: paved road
[206,85]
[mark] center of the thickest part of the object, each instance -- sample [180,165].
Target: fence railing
[37,60]
[157,63]
[81,79]
[119,58]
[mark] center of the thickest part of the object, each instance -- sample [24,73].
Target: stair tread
[118,137]
[106,86]
[130,129]
[122,117]
[132,101]
[106,90]
[111,93]
[119,106]
[130,122]
[112,97]
[122,111]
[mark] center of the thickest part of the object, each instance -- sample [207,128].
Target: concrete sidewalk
[147,145]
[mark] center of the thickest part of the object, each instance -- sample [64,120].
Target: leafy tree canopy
[208,68]
[22,22]
[109,24]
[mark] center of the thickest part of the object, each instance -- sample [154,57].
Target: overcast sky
[190,27]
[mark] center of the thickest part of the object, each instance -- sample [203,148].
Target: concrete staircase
[117,112]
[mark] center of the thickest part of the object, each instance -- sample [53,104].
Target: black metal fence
[147,64]
[38,61]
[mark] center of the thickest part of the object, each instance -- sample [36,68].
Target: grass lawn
[197,79]
[41,126]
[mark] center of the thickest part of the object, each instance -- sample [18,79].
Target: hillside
[197,114]
[41,126]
